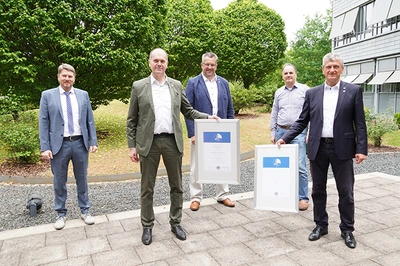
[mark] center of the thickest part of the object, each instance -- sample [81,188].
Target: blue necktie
[69,114]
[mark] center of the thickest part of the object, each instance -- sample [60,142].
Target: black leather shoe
[317,233]
[146,237]
[349,239]
[178,231]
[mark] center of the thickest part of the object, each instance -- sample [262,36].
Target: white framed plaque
[276,178]
[217,150]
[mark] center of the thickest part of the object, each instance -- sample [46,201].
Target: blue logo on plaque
[220,137]
[275,162]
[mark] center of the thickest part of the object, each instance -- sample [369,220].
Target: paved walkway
[218,235]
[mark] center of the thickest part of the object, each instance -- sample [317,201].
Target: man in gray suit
[153,130]
[67,132]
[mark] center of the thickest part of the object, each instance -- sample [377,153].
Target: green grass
[392,139]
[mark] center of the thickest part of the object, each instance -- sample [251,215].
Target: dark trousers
[343,172]
[164,146]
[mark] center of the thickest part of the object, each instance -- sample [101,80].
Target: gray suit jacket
[141,116]
[51,121]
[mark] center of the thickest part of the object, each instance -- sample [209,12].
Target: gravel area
[112,197]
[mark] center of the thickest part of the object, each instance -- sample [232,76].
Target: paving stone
[200,258]
[231,235]
[390,200]
[121,257]
[264,228]
[270,247]
[236,254]
[156,263]
[158,250]
[203,213]
[81,261]
[281,260]
[87,247]
[43,255]
[392,259]
[366,263]
[259,215]
[125,239]
[360,196]
[299,238]
[202,225]
[390,218]
[292,222]
[104,229]
[198,242]
[131,224]
[20,244]
[230,219]
[360,253]
[66,235]
[224,209]
[316,256]
[9,258]
[376,191]
[381,242]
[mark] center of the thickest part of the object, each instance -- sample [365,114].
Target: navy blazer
[198,96]
[51,121]
[349,128]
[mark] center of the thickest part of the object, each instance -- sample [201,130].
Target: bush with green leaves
[397,119]
[20,138]
[378,125]
[242,98]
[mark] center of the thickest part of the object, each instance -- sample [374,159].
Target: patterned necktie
[69,114]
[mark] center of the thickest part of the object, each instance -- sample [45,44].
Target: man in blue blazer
[337,134]
[67,132]
[207,93]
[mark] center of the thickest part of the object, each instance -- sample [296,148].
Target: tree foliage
[311,44]
[191,30]
[106,41]
[249,40]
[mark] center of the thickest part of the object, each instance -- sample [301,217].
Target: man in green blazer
[153,129]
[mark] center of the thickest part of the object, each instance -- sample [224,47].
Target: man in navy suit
[337,134]
[67,132]
[207,93]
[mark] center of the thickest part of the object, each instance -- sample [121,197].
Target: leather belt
[284,127]
[165,134]
[73,138]
[327,140]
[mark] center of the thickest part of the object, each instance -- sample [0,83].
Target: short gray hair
[66,67]
[291,65]
[332,57]
[209,55]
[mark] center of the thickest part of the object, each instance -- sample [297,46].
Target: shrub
[397,119]
[20,138]
[241,97]
[378,125]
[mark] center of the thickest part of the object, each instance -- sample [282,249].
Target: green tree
[309,47]
[190,34]
[106,41]
[249,40]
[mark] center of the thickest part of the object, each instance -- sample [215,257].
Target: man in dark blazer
[153,130]
[67,132]
[207,93]
[337,134]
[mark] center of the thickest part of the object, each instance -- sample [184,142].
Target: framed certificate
[276,178]
[217,151]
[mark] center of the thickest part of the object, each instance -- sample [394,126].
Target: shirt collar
[153,80]
[337,86]
[294,86]
[61,90]
[206,79]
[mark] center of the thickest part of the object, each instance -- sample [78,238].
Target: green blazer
[141,116]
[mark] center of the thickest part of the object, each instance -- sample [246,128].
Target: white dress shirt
[331,95]
[213,92]
[162,106]
[75,112]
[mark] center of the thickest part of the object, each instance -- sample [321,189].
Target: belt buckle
[70,138]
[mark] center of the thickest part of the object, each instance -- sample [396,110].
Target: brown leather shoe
[227,202]
[195,205]
[303,205]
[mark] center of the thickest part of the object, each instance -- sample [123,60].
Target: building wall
[379,46]
[341,6]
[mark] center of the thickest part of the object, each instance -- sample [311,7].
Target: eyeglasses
[209,65]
